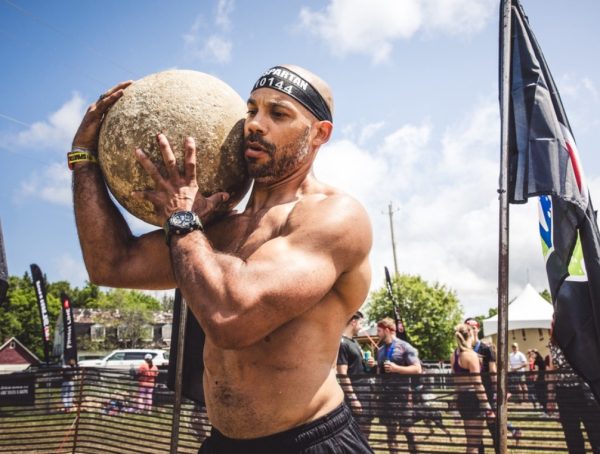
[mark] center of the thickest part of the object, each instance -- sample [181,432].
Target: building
[14,356]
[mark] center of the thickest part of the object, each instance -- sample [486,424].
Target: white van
[127,359]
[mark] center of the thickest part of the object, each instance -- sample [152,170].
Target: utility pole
[391,215]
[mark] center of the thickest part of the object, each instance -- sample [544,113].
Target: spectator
[530,377]
[351,365]
[487,363]
[576,405]
[472,401]
[541,391]
[66,390]
[518,367]
[146,373]
[395,357]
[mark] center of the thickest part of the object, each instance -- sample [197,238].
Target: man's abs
[280,383]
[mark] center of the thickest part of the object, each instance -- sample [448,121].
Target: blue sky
[416,118]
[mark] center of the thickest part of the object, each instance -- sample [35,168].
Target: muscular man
[289,270]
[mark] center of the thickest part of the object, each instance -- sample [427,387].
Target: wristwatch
[180,223]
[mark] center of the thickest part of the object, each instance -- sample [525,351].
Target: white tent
[528,310]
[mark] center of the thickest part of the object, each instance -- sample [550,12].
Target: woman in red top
[146,373]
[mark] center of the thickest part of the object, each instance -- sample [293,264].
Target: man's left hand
[177,192]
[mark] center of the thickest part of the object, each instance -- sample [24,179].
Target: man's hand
[89,129]
[177,192]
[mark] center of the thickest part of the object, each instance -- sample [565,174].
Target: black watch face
[182,219]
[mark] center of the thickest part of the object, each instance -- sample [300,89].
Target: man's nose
[255,124]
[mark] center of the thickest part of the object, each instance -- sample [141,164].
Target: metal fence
[99,411]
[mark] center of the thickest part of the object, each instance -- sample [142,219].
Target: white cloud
[54,133]
[369,131]
[443,189]
[202,44]
[371,28]
[224,10]
[217,48]
[52,185]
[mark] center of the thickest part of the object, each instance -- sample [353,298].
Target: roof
[18,355]
[528,310]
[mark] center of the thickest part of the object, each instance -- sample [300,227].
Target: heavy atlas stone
[179,104]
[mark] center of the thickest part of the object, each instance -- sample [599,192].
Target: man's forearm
[103,232]
[202,275]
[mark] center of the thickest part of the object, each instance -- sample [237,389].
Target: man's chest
[241,235]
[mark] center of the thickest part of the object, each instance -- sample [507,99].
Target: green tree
[88,296]
[429,312]
[546,295]
[135,314]
[20,317]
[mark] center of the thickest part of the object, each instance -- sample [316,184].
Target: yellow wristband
[79,154]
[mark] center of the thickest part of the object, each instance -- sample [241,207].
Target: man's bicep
[145,264]
[283,270]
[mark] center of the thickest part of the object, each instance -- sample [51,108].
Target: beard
[282,160]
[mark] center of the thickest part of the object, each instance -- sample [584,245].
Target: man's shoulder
[332,220]
[406,346]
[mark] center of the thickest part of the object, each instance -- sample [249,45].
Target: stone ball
[178,103]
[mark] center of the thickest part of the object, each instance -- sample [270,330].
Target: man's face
[276,135]
[384,333]
[357,325]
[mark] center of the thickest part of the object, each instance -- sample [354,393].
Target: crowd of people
[560,395]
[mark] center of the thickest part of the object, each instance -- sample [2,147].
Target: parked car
[128,359]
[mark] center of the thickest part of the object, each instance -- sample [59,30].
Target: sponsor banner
[17,390]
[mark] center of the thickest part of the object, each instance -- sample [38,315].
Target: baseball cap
[148,356]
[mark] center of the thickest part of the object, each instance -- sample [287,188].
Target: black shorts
[334,433]
[468,405]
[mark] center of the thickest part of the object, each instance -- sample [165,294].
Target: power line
[66,35]
[14,120]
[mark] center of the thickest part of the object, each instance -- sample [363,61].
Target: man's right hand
[89,129]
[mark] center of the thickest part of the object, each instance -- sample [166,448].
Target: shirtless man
[288,271]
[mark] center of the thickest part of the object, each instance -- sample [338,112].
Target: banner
[544,161]
[40,293]
[400,331]
[193,354]
[69,338]
[17,389]
[3,269]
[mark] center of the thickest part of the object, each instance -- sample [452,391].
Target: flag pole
[175,422]
[501,409]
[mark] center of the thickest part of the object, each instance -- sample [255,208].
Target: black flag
[543,161]
[400,331]
[40,293]
[69,338]
[193,354]
[3,269]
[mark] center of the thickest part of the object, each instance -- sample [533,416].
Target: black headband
[290,83]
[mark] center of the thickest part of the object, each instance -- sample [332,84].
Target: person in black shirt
[350,360]
[351,368]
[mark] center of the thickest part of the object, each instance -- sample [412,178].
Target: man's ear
[323,132]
